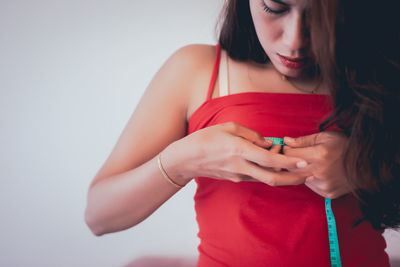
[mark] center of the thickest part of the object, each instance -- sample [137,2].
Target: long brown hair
[356,46]
[237,34]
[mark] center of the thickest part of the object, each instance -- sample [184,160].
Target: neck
[309,82]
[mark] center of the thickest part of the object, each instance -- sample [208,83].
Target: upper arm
[160,116]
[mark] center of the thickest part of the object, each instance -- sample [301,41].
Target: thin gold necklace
[313,91]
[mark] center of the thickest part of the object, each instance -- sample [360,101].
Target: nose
[294,36]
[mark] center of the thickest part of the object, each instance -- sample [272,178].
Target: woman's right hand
[230,151]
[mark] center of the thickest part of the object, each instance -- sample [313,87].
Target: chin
[293,74]
[290,73]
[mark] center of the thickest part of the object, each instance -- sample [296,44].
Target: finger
[276,149]
[244,178]
[319,186]
[313,187]
[327,194]
[309,154]
[303,141]
[267,158]
[248,134]
[310,179]
[275,178]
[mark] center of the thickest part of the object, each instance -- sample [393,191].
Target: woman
[286,68]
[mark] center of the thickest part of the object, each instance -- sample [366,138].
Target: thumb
[302,141]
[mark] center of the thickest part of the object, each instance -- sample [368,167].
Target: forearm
[124,200]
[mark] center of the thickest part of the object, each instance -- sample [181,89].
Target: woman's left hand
[324,153]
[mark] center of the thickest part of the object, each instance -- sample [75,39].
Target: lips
[295,59]
[293,63]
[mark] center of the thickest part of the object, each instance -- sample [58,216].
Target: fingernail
[309,179]
[301,164]
[268,141]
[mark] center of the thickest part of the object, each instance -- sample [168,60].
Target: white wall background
[71,74]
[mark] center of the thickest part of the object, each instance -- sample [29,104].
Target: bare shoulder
[195,54]
[195,62]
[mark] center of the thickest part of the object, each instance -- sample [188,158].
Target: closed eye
[272,11]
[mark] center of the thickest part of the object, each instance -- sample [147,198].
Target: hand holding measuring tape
[324,153]
[229,151]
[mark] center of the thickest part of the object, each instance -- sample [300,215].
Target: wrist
[173,162]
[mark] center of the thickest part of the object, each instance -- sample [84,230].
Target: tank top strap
[215,71]
[223,75]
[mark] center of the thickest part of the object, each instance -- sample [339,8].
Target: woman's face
[280,28]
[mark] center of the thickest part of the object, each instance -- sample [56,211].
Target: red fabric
[253,224]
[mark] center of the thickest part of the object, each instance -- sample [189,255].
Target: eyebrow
[281,2]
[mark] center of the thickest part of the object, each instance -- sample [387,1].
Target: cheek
[267,28]
[266,32]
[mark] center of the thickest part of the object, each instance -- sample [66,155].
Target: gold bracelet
[166,175]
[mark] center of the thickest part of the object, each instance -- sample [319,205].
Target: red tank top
[253,224]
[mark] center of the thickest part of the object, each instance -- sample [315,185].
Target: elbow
[98,228]
[93,224]
[91,216]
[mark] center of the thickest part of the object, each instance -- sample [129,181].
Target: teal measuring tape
[330,218]
[333,239]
